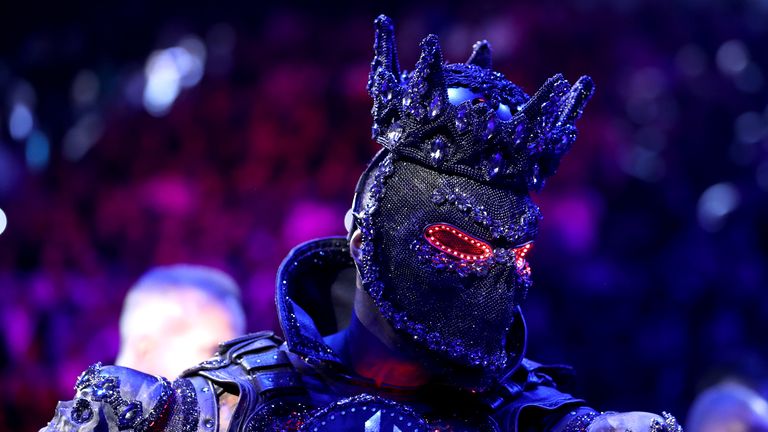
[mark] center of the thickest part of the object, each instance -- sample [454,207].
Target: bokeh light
[20,122]
[168,71]
[3,221]
[715,204]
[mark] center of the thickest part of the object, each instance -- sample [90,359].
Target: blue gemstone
[130,414]
[435,106]
[394,133]
[495,165]
[462,120]
[385,88]
[438,150]
[100,393]
[534,145]
[490,127]
[535,179]
[521,131]
[438,197]
[498,231]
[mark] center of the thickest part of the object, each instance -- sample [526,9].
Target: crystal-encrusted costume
[302,385]
[445,220]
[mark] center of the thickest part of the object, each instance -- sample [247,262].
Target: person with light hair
[729,406]
[175,316]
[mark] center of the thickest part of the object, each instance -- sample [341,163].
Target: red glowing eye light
[522,251]
[457,243]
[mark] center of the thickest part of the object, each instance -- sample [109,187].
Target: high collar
[315,294]
[315,298]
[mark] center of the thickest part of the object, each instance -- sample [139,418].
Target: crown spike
[426,91]
[574,102]
[384,81]
[430,64]
[384,50]
[532,108]
[481,55]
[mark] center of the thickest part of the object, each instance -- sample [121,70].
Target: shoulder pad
[529,392]
[254,361]
[118,396]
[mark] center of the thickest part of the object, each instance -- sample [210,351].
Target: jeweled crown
[469,120]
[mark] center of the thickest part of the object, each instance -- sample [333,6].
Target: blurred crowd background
[147,133]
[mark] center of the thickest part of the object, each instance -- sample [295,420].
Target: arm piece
[113,398]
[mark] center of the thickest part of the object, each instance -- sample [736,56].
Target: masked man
[413,322]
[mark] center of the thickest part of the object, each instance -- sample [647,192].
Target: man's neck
[370,348]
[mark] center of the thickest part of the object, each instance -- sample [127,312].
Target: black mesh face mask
[443,257]
[444,208]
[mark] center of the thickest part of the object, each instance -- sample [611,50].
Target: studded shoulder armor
[254,368]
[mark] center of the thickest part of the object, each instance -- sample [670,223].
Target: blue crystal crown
[469,120]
